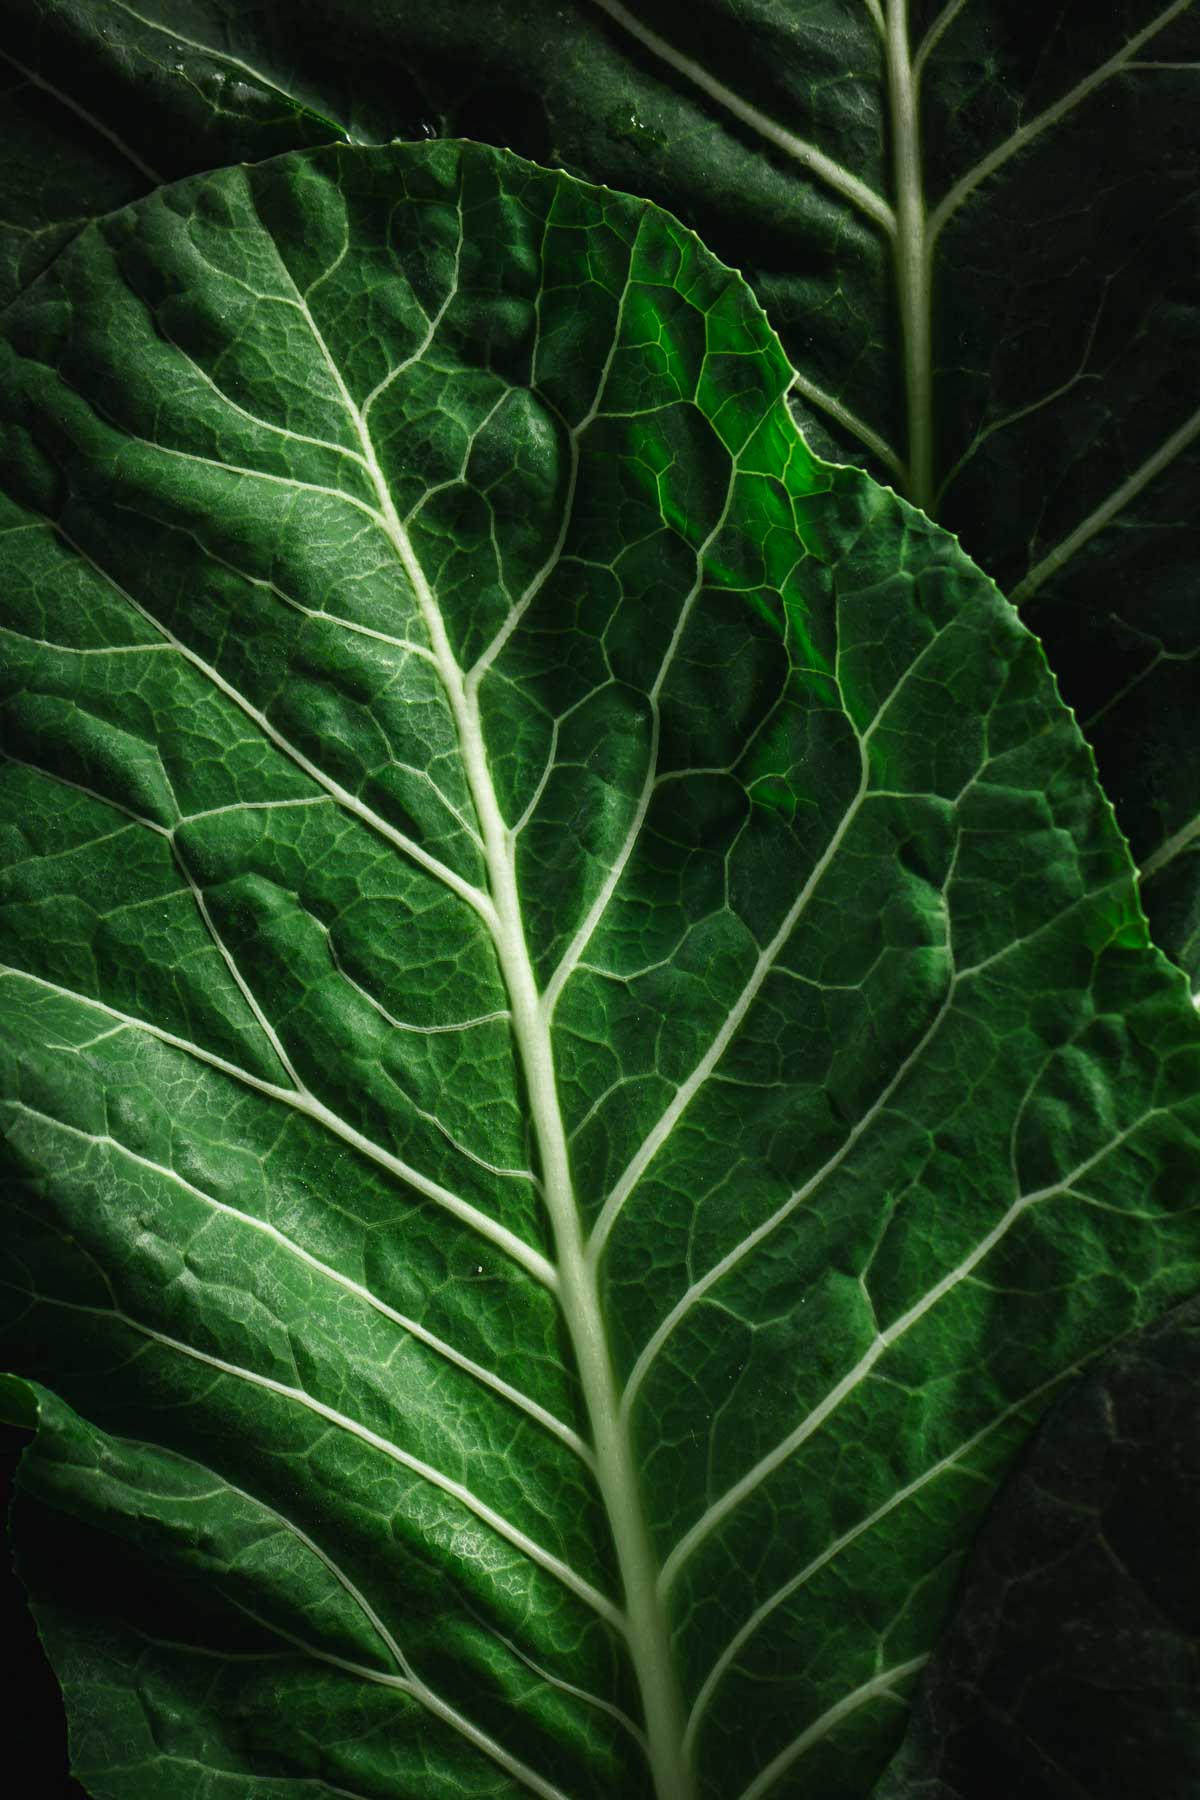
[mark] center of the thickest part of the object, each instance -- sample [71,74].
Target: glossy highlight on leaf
[581,1057]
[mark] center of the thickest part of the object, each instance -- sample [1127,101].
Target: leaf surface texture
[582,1053]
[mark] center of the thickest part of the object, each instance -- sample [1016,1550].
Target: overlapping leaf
[582,1053]
[1073,1663]
[973,224]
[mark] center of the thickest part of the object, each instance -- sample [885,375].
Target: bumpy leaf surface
[582,1053]
[973,223]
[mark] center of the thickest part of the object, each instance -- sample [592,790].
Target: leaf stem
[911,251]
[577,1286]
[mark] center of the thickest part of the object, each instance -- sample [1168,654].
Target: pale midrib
[913,229]
[918,230]
[912,256]
[644,1621]
[905,224]
[577,1287]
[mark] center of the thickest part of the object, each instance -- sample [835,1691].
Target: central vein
[913,260]
[577,1284]
[579,1296]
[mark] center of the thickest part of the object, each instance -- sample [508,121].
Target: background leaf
[1072,1668]
[34,1693]
[581,1054]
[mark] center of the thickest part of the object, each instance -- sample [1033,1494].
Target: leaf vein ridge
[412,1327]
[224,56]
[1096,520]
[411,1681]
[795,1582]
[562,1571]
[644,1622]
[883,1341]
[432,865]
[89,119]
[687,1089]
[880,1686]
[863,198]
[521,1253]
[995,159]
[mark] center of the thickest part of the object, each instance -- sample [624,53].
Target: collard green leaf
[582,1053]
[974,225]
[1072,1669]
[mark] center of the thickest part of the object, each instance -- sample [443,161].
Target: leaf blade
[869,1114]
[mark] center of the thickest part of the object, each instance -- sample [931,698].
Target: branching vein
[532,1261]
[883,1341]
[1025,134]
[411,1327]
[881,1687]
[1042,572]
[953,1460]
[434,1478]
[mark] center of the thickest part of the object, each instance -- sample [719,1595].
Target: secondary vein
[411,1327]
[826,168]
[531,1260]
[455,1490]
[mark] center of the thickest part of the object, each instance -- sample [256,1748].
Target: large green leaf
[583,1056]
[974,225]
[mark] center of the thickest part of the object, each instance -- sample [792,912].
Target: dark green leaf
[1072,1670]
[582,1056]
